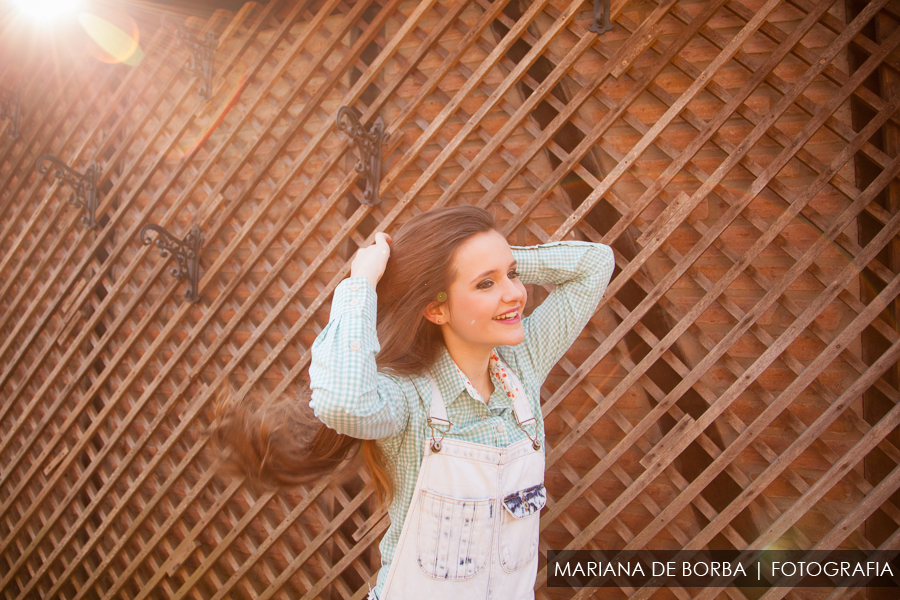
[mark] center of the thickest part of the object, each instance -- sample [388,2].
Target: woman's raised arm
[581,272]
[348,393]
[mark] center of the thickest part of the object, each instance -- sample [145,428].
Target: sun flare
[47,10]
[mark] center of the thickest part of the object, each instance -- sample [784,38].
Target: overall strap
[437,417]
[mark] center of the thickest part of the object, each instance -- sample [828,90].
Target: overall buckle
[436,443]
[535,442]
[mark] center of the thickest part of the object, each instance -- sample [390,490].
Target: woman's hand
[370,262]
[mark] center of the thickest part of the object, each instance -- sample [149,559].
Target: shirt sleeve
[348,393]
[581,272]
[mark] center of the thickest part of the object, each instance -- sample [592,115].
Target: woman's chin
[511,338]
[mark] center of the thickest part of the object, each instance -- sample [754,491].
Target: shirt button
[500,428]
[355,287]
[354,345]
[354,302]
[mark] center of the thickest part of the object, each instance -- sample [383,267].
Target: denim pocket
[454,537]
[520,527]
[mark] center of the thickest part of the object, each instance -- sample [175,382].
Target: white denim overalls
[471,532]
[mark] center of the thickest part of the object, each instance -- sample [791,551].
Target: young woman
[443,371]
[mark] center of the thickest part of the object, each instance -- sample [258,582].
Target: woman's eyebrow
[512,265]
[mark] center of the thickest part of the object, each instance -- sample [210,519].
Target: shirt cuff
[354,296]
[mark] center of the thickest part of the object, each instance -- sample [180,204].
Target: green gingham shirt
[352,397]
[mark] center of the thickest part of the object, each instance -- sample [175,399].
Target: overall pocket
[454,537]
[520,527]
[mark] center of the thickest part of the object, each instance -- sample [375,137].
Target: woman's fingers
[371,261]
[383,243]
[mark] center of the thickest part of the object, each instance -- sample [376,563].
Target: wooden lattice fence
[737,388]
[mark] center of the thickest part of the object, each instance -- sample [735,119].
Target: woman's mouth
[509,318]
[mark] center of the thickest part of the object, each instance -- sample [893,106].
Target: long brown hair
[277,442]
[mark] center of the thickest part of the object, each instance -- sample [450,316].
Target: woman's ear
[436,312]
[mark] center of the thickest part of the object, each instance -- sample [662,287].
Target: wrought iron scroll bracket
[369,143]
[187,251]
[9,110]
[84,184]
[202,53]
[601,17]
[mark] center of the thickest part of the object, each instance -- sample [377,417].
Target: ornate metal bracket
[187,251]
[369,144]
[85,185]
[9,109]
[202,51]
[601,17]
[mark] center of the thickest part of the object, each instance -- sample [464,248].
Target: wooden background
[737,388]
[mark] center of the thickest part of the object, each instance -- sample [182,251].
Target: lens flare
[113,45]
[46,10]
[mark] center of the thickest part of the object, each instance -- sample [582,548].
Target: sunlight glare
[46,10]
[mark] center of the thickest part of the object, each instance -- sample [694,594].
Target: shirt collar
[448,380]
[452,382]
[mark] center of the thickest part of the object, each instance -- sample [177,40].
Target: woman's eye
[488,283]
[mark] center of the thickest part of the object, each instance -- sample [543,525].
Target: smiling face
[485,301]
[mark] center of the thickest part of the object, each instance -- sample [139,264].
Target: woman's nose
[512,292]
